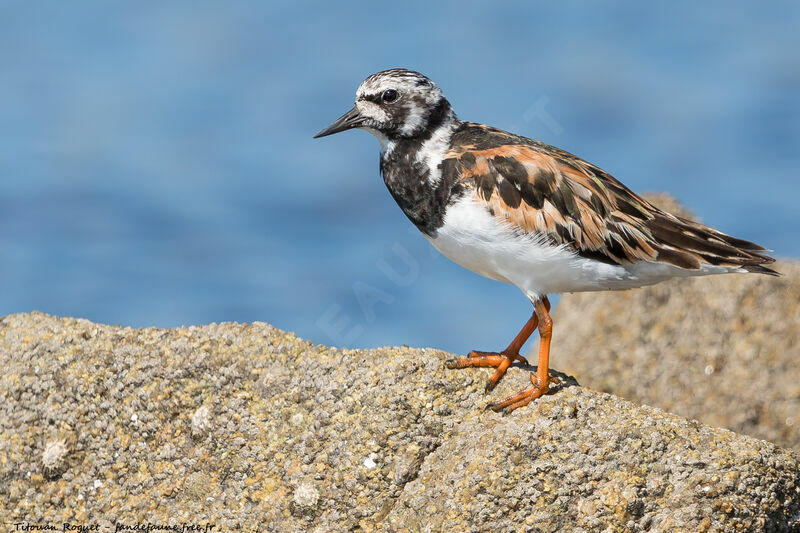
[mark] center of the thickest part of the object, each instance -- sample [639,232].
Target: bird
[523,212]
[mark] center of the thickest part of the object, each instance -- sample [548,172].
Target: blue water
[157,165]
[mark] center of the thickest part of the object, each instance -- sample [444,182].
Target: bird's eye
[389,96]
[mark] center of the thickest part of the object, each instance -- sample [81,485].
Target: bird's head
[395,104]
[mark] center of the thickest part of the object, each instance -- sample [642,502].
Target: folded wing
[538,189]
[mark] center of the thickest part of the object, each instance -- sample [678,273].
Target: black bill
[351,119]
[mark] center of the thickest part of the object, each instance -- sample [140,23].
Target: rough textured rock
[724,350]
[250,428]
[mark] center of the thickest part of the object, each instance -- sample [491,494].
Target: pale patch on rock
[54,457]
[201,421]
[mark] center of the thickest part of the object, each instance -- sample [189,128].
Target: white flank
[476,240]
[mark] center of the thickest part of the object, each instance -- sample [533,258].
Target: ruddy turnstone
[520,211]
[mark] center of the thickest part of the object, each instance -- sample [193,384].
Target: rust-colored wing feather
[539,189]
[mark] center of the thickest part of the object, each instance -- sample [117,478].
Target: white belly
[476,240]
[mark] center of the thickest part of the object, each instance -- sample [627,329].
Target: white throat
[387,145]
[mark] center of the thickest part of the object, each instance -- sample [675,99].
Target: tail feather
[761,269]
[686,243]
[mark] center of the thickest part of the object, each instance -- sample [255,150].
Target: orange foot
[521,399]
[501,361]
[541,380]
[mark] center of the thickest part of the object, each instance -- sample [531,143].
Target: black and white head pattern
[400,103]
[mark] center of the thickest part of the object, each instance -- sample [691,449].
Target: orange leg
[500,360]
[541,381]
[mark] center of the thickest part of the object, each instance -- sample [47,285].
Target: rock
[720,349]
[594,461]
[247,427]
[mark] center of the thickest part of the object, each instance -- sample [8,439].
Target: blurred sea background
[157,166]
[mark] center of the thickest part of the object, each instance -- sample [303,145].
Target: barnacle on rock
[54,456]
[201,421]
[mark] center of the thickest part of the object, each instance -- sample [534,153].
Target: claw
[523,398]
[497,408]
[500,361]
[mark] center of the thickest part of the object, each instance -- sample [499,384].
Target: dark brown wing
[542,190]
